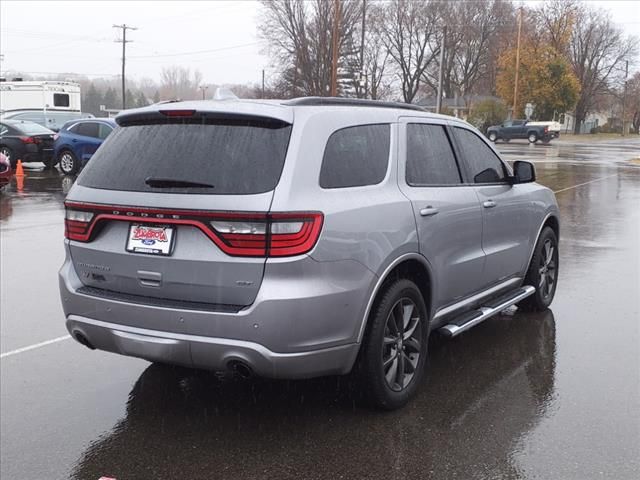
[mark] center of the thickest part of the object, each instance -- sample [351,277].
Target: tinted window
[484,165]
[104,130]
[241,157]
[60,99]
[355,156]
[430,159]
[88,129]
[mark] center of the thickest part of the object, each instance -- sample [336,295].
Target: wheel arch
[550,220]
[412,266]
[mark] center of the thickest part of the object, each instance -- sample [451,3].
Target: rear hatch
[174,207]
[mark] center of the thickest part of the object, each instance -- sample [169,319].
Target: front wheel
[543,272]
[493,137]
[533,137]
[68,163]
[392,360]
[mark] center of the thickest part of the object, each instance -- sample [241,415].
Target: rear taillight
[236,234]
[274,235]
[77,224]
[28,140]
[178,113]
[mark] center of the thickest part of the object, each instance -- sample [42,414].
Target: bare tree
[409,33]
[179,82]
[597,50]
[472,41]
[299,35]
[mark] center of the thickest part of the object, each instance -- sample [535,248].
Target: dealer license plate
[151,240]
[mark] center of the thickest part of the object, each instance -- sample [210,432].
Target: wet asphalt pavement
[554,395]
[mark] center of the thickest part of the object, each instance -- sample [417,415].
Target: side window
[484,165]
[3,130]
[356,156]
[89,129]
[104,131]
[60,99]
[430,159]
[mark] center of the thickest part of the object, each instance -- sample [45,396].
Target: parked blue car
[78,140]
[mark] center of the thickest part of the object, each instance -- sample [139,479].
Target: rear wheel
[394,350]
[543,272]
[493,137]
[68,163]
[7,152]
[533,137]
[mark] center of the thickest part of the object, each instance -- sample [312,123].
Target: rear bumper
[211,353]
[303,323]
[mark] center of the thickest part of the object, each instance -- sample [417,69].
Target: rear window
[60,99]
[355,156]
[234,157]
[31,128]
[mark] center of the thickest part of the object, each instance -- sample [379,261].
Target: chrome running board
[470,319]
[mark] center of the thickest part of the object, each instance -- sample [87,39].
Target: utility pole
[441,71]
[515,87]
[204,89]
[362,74]
[263,83]
[124,27]
[334,60]
[624,94]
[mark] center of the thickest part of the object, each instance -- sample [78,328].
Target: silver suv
[300,238]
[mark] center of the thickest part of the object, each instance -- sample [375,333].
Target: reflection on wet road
[554,395]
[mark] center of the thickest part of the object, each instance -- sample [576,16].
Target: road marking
[34,346]
[585,183]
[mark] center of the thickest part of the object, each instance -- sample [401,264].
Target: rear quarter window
[356,156]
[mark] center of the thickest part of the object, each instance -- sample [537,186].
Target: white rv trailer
[39,95]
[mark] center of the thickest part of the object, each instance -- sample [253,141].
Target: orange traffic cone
[19,170]
[20,183]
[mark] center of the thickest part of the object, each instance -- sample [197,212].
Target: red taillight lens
[236,234]
[177,113]
[76,224]
[276,235]
[28,140]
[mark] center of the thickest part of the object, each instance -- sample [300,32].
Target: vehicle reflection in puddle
[487,390]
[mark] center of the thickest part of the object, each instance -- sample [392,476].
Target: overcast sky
[216,37]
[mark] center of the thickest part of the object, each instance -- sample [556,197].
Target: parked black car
[26,141]
[520,129]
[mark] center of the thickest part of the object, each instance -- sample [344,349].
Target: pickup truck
[532,131]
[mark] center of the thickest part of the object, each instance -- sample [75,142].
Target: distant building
[459,106]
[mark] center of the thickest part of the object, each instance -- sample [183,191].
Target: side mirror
[523,172]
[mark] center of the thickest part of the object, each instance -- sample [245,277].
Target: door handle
[489,204]
[428,211]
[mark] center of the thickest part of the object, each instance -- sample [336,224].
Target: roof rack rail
[349,102]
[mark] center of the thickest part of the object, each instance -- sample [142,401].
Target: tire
[533,137]
[7,152]
[493,137]
[68,162]
[546,140]
[542,272]
[388,342]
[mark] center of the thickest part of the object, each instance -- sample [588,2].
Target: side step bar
[470,319]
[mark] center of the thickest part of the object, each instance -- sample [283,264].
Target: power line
[124,42]
[196,52]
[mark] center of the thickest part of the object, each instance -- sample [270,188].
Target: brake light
[28,140]
[277,234]
[77,224]
[177,113]
[235,233]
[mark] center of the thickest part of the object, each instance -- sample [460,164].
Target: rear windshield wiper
[172,183]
